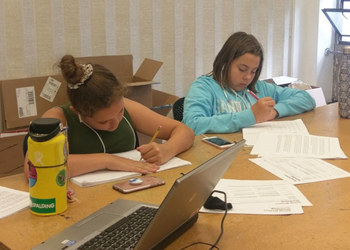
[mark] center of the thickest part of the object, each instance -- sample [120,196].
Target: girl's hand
[154,153]
[263,109]
[132,166]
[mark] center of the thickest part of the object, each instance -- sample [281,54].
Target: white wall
[312,34]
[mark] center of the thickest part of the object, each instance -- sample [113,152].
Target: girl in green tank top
[83,139]
[101,122]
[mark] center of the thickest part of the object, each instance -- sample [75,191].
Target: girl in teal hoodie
[231,97]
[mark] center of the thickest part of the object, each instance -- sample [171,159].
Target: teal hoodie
[210,109]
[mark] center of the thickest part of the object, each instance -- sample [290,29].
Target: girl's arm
[178,136]
[85,163]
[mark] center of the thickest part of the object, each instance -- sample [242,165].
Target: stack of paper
[251,134]
[99,177]
[12,201]
[275,197]
[281,80]
[296,157]
[287,150]
[298,145]
[301,170]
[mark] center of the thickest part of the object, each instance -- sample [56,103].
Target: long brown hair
[98,91]
[236,45]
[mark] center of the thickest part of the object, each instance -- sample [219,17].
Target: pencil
[253,95]
[154,137]
[155,134]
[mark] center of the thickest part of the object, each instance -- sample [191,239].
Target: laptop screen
[186,197]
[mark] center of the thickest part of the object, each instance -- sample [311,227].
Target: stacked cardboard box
[11,155]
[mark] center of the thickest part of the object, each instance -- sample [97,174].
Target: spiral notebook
[104,176]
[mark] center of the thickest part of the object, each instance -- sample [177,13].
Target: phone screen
[218,141]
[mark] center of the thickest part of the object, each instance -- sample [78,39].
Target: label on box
[50,89]
[26,102]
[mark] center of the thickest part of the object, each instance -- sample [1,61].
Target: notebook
[103,176]
[178,211]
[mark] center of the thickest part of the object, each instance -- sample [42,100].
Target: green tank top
[84,140]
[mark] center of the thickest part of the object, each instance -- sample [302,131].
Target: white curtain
[184,34]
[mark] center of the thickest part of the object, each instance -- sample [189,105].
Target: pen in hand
[154,137]
[253,94]
[155,134]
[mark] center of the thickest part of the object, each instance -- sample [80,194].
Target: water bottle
[47,155]
[344,85]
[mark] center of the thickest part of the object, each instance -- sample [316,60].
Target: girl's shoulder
[206,82]
[263,85]
[205,78]
[56,112]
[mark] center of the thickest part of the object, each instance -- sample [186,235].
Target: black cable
[212,246]
[222,220]
[197,243]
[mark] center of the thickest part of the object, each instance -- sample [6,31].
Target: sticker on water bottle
[33,176]
[43,206]
[61,178]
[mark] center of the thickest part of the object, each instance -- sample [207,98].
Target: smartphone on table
[218,142]
[138,183]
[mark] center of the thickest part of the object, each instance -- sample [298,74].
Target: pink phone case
[147,182]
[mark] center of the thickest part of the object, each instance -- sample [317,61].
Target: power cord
[213,246]
[222,220]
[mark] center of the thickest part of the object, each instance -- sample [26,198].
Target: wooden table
[325,225]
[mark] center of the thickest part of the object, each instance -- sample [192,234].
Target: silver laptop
[177,213]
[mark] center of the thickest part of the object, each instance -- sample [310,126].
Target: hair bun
[71,72]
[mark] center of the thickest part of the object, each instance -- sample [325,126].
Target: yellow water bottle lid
[43,129]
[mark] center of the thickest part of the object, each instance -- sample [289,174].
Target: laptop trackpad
[98,221]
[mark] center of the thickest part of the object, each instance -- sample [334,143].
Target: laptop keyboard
[124,234]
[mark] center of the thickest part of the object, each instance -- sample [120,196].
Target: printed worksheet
[251,134]
[301,170]
[273,197]
[12,201]
[298,145]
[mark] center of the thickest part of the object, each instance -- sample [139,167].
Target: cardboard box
[11,155]
[162,102]
[26,99]
[121,66]
[22,101]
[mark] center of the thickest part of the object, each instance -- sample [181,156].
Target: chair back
[178,109]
